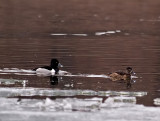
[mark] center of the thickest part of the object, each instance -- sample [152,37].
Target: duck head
[129,70]
[55,64]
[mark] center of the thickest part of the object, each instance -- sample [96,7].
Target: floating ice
[100,33]
[124,99]
[79,34]
[64,34]
[84,34]
[88,75]
[118,30]
[149,20]
[58,34]
[107,32]
[17,71]
[157,101]
[121,93]
[11,92]
[110,32]
[12,81]
[10,70]
[27,74]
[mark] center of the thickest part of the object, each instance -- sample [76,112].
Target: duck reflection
[127,82]
[54,80]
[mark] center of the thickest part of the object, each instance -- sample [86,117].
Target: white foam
[87,75]
[44,72]
[61,72]
[134,77]
[91,75]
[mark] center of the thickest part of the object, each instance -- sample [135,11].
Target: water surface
[91,39]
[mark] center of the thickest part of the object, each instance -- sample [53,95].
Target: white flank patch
[43,72]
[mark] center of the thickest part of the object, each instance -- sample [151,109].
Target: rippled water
[90,39]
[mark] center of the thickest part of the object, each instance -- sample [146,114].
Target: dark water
[87,37]
[86,55]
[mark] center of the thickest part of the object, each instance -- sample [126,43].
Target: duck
[120,75]
[49,70]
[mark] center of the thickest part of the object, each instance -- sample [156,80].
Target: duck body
[45,72]
[48,70]
[120,75]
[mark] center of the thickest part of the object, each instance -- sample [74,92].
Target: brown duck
[120,75]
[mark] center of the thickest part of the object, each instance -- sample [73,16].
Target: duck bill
[60,65]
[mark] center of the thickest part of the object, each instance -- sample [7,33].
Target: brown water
[30,35]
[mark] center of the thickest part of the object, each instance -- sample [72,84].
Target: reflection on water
[54,80]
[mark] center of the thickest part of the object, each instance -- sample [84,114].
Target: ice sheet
[72,109]
[11,92]
[12,81]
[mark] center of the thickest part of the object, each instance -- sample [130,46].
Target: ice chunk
[110,32]
[12,81]
[17,71]
[107,32]
[79,34]
[100,33]
[58,34]
[71,109]
[157,101]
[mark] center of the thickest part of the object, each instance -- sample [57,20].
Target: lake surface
[90,39]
